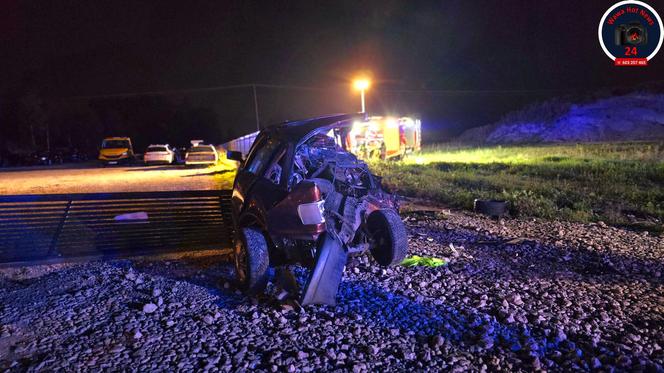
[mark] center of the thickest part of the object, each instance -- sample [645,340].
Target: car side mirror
[234,156]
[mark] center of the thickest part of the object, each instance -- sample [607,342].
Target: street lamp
[362,85]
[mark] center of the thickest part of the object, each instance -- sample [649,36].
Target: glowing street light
[362,85]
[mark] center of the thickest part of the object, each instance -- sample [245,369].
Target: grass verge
[618,183]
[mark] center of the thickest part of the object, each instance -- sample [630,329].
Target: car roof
[158,145]
[299,131]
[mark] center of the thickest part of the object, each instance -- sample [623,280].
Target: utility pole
[364,110]
[258,123]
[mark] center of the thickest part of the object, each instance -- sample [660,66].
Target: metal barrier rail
[106,225]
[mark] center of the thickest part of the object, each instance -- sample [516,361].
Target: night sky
[547,48]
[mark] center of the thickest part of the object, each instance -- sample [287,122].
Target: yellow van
[115,150]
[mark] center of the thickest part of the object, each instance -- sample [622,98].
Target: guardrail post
[58,230]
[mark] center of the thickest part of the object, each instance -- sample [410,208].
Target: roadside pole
[258,124]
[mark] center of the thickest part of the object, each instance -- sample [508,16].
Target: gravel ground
[517,295]
[91,178]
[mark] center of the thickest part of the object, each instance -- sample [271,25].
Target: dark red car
[301,197]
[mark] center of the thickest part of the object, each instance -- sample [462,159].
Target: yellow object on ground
[423,261]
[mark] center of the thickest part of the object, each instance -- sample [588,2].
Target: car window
[156,149]
[276,169]
[115,144]
[201,149]
[261,157]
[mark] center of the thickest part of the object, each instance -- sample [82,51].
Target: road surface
[91,178]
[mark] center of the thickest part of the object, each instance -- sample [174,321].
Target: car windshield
[201,149]
[156,149]
[115,144]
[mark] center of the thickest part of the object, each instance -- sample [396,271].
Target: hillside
[632,117]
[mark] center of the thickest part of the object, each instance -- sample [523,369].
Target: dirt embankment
[632,117]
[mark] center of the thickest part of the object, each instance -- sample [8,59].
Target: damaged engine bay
[350,193]
[348,188]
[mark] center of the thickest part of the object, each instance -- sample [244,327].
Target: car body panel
[283,218]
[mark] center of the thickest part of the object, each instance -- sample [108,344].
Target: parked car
[200,154]
[73,155]
[159,154]
[301,196]
[116,150]
[45,158]
[15,158]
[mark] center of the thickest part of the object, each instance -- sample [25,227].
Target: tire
[251,261]
[390,238]
[491,208]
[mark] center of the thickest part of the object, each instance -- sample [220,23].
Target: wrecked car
[301,197]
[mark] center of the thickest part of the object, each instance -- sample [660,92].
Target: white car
[159,154]
[200,154]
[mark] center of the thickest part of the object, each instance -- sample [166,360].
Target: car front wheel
[388,233]
[252,261]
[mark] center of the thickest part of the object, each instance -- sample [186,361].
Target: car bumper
[200,162]
[113,159]
[158,160]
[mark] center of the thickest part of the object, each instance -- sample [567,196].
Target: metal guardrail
[108,225]
[241,144]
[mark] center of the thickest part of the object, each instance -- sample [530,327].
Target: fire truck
[385,137]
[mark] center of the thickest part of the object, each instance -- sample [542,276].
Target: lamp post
[362,85]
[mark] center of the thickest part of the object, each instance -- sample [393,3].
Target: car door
[255,191]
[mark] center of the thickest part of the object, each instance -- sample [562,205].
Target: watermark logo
[631,33]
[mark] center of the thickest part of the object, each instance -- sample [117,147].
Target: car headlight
[124,153]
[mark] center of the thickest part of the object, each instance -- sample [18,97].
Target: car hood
[300,131]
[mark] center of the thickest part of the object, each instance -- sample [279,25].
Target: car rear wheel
[390,241]
[252,261]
